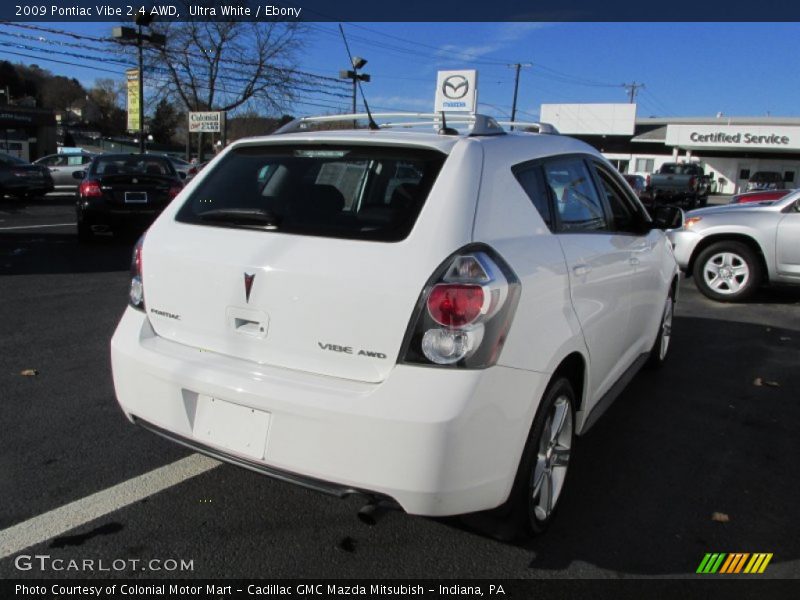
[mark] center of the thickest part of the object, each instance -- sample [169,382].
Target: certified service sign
[457,91]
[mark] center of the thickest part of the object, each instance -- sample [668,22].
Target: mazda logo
[455,87]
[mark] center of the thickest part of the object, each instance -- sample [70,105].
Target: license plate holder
[234,427]
[135,197]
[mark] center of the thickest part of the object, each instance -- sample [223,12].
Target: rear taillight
[192,171]
[692,181]
[136,294]
[90,189]
[647,180]
[464,312]
[174,190]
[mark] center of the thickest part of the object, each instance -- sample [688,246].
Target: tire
[543,466]
[727,272]
[660,349]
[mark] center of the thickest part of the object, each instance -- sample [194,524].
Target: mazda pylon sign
[205,122]
[457,91]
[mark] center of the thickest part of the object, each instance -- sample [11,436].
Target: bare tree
[213,65]
[223,65]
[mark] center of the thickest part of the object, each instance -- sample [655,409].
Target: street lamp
[129,34]
[358,63]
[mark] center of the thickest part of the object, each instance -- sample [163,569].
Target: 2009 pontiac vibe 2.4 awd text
[421,317]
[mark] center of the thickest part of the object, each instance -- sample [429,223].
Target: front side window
[623,210]
[354,192]
[577,203]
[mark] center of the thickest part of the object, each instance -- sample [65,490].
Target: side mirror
[78,174]
[667,217]
[182,175]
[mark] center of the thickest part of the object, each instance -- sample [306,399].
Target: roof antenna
[372,123]
[444,129]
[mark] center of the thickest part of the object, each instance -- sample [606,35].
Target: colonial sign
[205,122]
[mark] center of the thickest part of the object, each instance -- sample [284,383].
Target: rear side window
[353,192]
[530,178]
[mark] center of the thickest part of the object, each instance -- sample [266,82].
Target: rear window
[352,192]
[132,165]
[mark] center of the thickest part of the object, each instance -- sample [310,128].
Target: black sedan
[124,191]
[22,179]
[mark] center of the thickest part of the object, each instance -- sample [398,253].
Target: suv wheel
[727,271]
[658,353]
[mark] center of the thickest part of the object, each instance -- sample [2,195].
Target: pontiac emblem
[248,285]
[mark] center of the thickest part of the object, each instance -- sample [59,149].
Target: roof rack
[478,124]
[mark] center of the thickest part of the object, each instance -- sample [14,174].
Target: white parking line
[35,226]
[55,522]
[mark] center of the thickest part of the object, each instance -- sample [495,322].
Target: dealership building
[731,149]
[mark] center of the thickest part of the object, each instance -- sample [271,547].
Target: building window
[744,174]
[644,165]
[788,176]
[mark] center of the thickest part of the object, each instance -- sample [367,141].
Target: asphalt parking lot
[715,431]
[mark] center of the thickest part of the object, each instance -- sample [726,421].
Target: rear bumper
[437,441]
[101,214]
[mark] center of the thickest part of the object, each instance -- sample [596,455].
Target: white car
[411,316]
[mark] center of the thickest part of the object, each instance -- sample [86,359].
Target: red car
[760,196]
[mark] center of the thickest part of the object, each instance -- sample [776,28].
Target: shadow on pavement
[41,252]
[696,438]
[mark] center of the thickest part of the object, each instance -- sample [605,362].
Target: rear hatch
[136,191]
[135,182]
[301,256]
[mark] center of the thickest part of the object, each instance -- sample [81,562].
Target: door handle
[581,270]
[633,260]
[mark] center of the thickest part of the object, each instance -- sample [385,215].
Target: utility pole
[517,67]
[632,90]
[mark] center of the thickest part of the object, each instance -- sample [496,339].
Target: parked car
[759,196]
[63,167]
[731,250]
[765,180]
[123,190]
[22,179]
[682,183]
[438,342]
[186,170]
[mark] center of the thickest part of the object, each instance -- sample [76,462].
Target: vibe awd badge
[350,350]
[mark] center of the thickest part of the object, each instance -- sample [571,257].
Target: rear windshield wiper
[246,217]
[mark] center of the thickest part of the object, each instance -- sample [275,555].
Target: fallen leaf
[772,383]
[758,381]
[720,517]
[29,372]
[785,338]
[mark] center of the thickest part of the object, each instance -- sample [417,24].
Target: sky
[688,69]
